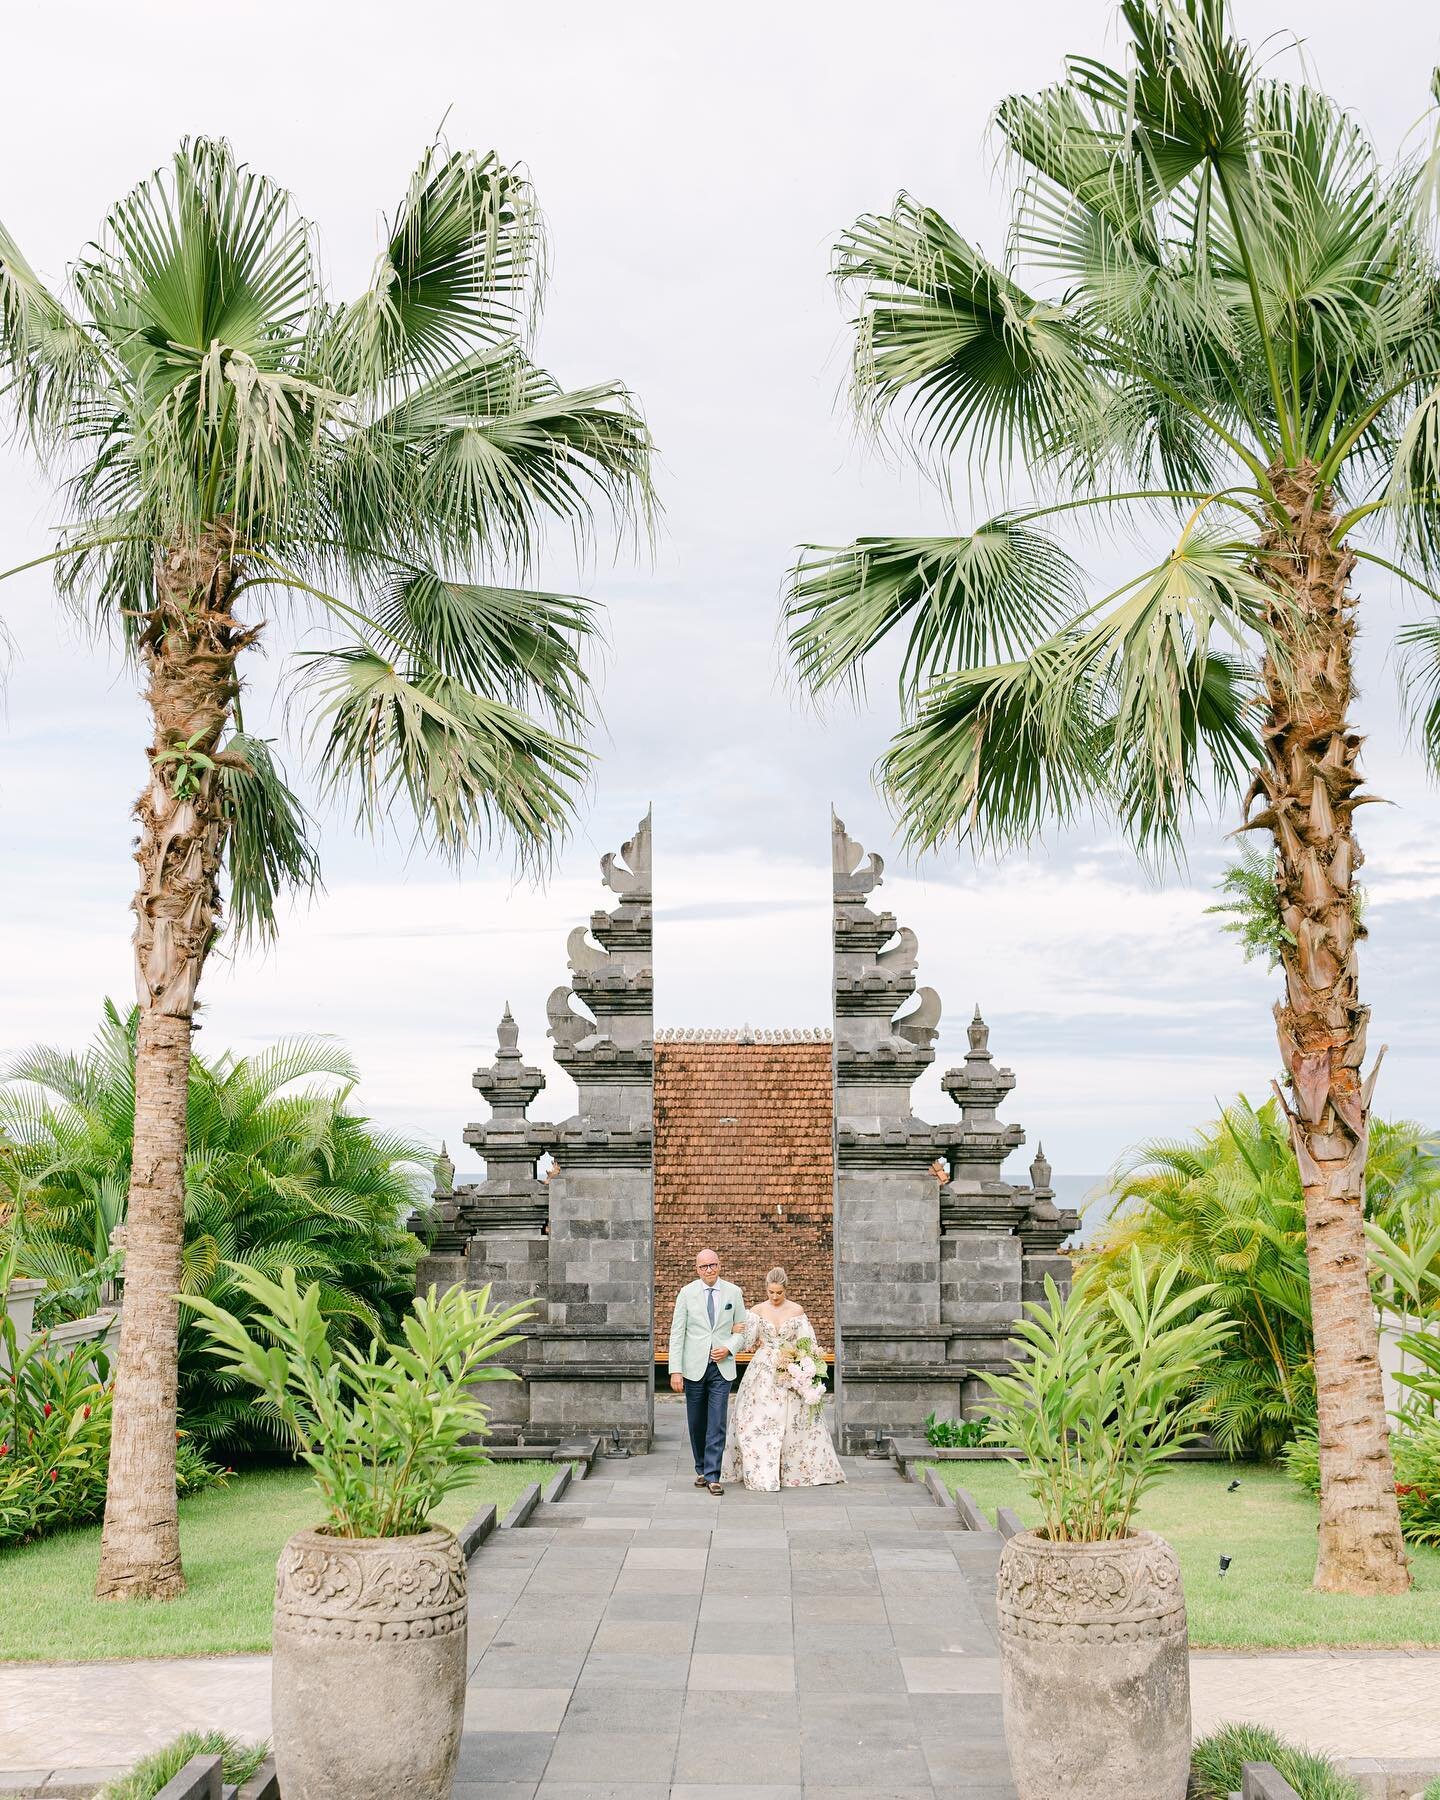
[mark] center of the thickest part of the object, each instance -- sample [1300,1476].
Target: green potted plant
[368,1672]
[1093,1644]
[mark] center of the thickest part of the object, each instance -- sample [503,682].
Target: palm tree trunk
[1311,781]
[189,647]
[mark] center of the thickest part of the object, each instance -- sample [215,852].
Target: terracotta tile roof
[743,1164]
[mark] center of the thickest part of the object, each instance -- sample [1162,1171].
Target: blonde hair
[777,1278]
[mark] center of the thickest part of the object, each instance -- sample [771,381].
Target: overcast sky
[694,167]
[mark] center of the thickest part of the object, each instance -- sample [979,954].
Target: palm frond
[49,364]
[202,286]
[987,758]
[268,846]
[1420,684]
[967,599]
[1132,710]
[471,463]
[509,644]
[469,770]
[1185,100]
[458,272]
[973,358]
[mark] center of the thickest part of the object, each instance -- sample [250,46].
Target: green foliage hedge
[55,1440]
[1216,1762]
[148,1776]
[1415,1445]
[1227,1201]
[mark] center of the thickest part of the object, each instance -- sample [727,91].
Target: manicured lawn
[1267,1529]
[230,1538]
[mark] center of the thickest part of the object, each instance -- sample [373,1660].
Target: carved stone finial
[922,1025]
[902,956]
[583,957]
[445,1170]
[852,882]
[566,1028]
[629,875]
[978,1033]
[1040,1172]
[508,1033]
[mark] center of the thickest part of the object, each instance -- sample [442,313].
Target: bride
[775,1438]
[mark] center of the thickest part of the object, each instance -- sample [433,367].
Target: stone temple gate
[911,1251]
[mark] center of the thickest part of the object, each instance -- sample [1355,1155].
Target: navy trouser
[707,1406]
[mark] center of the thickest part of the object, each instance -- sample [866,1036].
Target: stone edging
[971,1517]
[522,1508]
[557,1485]
[475,1531]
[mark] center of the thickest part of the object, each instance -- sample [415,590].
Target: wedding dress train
[772,1440]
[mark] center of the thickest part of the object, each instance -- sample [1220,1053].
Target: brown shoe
[715,1488]
[700,1481]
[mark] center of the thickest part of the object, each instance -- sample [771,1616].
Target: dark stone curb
[968,1507]
[475,1531]
[264,1784]
[557,1485]
[522,1508]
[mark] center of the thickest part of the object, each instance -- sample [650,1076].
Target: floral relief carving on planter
[1094,1672]
[391,1590]
[1104,1593]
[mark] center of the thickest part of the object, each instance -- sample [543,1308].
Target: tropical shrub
[1415,1446]
[1097,1403]
[150,1774]
[1227,1204]
[1217,1760]
[957,1434]
[390,1432]
[55,1412]
[281,1174]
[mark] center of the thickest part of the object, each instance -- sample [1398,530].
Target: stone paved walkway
[651,1641]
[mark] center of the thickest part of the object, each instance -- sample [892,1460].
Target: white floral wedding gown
[771,1441]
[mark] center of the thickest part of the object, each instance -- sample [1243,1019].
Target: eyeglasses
[714,1265]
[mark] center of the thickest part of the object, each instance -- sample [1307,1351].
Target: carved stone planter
[368,1676]
[1094,1669]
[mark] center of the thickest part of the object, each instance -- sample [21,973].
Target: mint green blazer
[692,1340]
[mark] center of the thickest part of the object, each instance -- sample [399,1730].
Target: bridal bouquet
[802,1364]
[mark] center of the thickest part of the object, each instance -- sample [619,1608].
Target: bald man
[705,1333]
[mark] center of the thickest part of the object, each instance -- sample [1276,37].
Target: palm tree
[1227,1205]
[230,436]
[1233,324]
[278,1175]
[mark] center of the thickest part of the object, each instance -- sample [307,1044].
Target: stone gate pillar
[891,1340]
[591,1368]
[935,1252]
